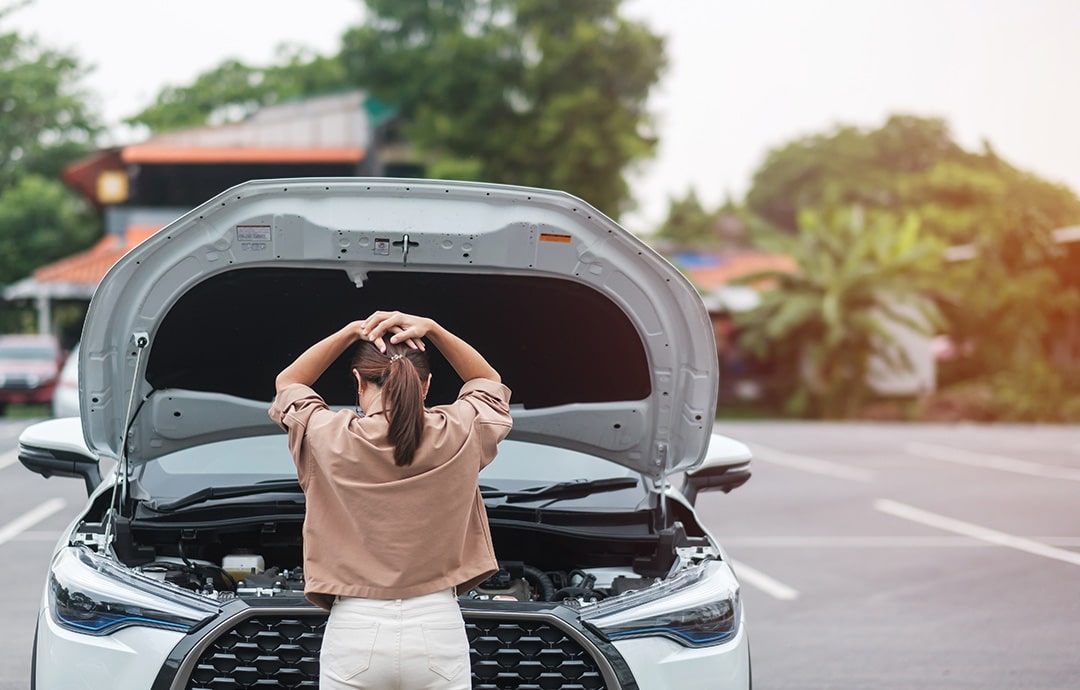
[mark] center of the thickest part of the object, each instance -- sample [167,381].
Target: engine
[265,559]
[518,581]
[227,579]
[243,575]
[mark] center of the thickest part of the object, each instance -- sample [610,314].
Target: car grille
[273,651]
[532,654]
[262,652]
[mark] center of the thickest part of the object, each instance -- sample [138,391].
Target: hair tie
[396,357]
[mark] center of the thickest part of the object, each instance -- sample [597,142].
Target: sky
[742,78]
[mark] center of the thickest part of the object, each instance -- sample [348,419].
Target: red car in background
[29,367]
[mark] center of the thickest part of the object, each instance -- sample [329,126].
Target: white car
[65,400]
[184,570]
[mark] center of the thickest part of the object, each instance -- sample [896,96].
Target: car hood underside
[606,347]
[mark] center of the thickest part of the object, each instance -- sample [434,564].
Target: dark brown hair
[402,381]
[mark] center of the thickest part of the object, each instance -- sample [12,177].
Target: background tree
[825,324]
[688,224]
[233,90]
[910,164]
[40,222]
[549,93]
[998,300]
[47,120]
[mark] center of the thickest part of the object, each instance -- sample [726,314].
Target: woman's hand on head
[402,328]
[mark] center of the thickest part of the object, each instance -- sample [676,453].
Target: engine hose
[540,580]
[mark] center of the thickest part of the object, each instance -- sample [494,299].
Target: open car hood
[605,346]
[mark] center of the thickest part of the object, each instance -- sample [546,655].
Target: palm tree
[858,279]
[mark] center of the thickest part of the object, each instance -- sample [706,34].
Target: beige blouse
[380,531]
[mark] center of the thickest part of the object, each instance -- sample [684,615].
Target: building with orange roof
[717,274]
[78,274]
[142,187]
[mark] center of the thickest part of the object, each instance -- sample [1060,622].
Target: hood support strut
[120,486]
[661,483]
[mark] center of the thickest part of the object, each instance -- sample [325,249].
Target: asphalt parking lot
[871,555]
[908,556]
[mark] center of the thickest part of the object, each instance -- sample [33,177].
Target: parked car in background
[29,367]
[65,402]
[184,569]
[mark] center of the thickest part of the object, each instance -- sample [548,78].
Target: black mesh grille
[267,652]
[262,652]
[528,655]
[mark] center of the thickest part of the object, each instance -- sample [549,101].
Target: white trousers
[396,644]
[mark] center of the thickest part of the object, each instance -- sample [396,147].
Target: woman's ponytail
[403,398]
[402,373]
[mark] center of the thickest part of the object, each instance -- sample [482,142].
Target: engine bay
[536,564]
[515,581]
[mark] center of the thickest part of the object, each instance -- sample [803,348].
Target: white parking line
[31,518]
[990,461]
[758,579]
[809,464]
[974,531]
[9,458]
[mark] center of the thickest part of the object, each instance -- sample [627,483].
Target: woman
[395,523]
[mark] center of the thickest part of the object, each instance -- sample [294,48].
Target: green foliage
[233,90]
[879,169]
[997,303]
[17,318]
[41,221]
[688,224]
[1035,391]
[534,92]
[909,164]
[47,123]
[46,120]
[1007,301]
[858,278]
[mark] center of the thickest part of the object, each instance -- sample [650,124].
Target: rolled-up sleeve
[292,410]
[491,400]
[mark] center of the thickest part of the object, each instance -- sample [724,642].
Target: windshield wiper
[577,488]
[212,492]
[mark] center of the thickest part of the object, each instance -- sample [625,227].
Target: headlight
[94,595]
[698,607]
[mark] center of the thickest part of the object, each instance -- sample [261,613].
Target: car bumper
[658,663]
[128,658]
[169,660]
